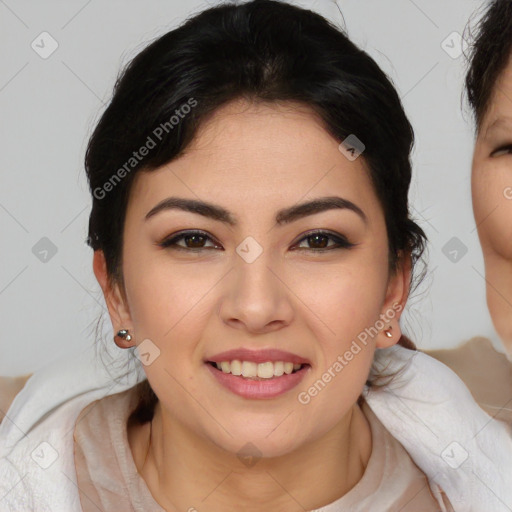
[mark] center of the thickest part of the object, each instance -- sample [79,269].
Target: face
[204,282]
[492,203]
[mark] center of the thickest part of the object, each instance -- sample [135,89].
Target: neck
[179,467]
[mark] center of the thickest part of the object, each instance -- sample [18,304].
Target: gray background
[49,106]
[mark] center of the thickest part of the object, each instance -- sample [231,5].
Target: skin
[9,388]
[254,159]
[492,203]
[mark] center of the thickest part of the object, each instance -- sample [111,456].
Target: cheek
[167,302]
[344,300]
[492,204]
[352,303]
[344,315]
[167,308]
[155,299]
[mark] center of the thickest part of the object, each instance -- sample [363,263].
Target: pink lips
[258,356]
[258,389]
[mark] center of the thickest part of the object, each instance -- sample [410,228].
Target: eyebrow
[284,216]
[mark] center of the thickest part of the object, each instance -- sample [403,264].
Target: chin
[247,444]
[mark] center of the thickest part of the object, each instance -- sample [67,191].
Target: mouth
[257,381]
[266,371]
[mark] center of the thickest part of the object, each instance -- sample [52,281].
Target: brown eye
[197,241]
[323,239]
[194,241]
[318,241]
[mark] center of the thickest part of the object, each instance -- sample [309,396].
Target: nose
[257,298]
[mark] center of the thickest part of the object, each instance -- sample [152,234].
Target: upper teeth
[262,370]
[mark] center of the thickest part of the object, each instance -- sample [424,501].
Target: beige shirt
[108,479]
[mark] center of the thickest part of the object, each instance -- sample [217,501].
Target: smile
[258,380]
[249,369]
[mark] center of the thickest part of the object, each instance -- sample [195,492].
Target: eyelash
[507,147]
[168,243]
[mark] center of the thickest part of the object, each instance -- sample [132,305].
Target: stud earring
[387,332]
[123,333]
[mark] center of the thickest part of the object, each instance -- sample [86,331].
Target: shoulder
[392,468]
[107,411]
[472,349]
[431,411]
[9,388]
[37,467]
[40,464]
[486,372]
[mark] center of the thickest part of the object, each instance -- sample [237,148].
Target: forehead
[263,154]
[498,115]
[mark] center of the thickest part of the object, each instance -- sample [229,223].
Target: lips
[258,388]
[258,356]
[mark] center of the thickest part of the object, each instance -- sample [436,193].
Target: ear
[114,297]
[394,303]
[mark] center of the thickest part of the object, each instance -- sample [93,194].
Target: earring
[123,333]
[387,332]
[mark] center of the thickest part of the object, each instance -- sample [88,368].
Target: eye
[321,238]
[195,240]
[503,150]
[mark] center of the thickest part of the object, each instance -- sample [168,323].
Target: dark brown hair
[261,50]
[490,48]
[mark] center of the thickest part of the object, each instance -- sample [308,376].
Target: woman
[252,239]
